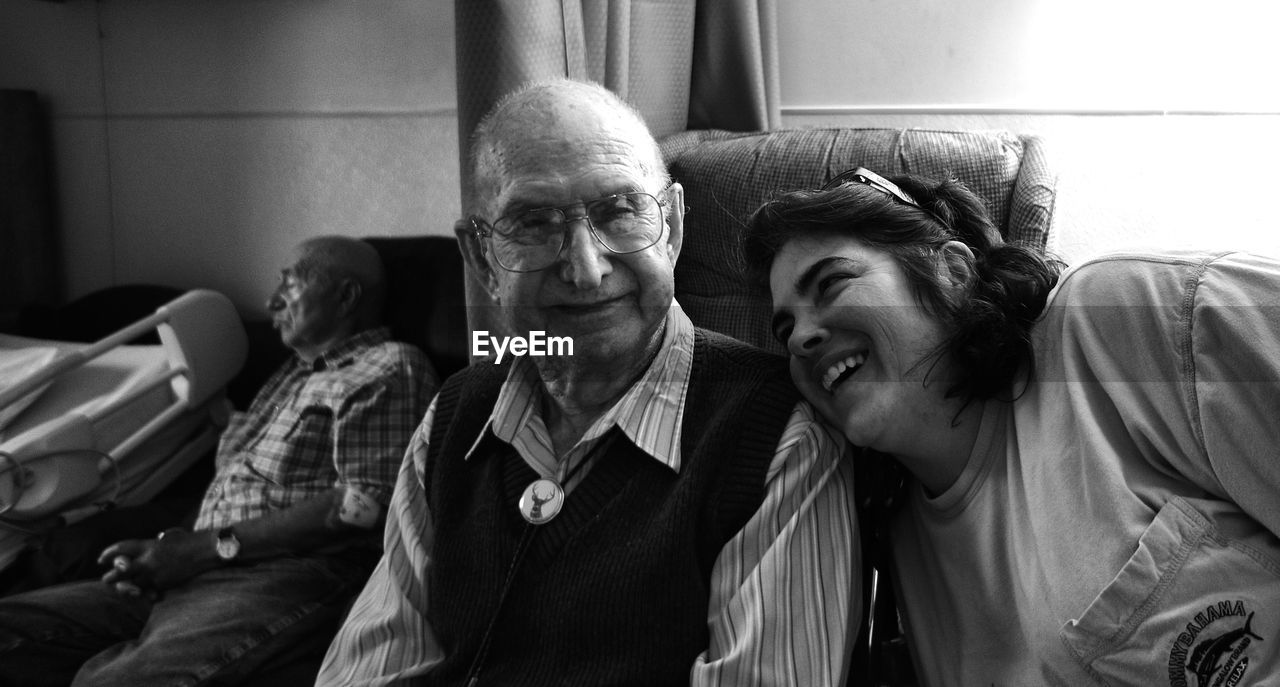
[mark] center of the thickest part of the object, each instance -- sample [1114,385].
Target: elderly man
[653,508]
[286,533]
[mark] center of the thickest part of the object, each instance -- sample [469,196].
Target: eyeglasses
[531,240]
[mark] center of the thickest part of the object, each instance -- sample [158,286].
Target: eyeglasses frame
[481,228]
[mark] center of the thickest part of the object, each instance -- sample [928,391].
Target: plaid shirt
[343,420]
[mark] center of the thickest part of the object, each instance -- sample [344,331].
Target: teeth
[833,373]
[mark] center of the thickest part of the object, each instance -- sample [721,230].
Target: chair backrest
[727,175]
[426,296]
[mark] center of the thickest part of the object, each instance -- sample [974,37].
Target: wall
[196,141]
[1161,116]
[1063,55]
[1136,181]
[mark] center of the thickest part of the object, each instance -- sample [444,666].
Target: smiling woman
[923,306]
[1081,505]
[983,292]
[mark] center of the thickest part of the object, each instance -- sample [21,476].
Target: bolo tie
[543,499]
[539,504]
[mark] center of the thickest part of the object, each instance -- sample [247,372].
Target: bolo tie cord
[473,673]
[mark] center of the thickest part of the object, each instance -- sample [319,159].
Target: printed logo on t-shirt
[1213,649]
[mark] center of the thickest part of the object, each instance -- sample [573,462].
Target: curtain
[681,63]
[735,67]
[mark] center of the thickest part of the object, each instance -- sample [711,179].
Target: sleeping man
[288,529]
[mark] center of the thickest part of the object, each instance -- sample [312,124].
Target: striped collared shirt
[650,412]
[785,595]
[344,419]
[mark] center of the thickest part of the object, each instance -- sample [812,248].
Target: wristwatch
[228,545]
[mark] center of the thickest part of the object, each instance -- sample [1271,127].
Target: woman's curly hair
[989,317]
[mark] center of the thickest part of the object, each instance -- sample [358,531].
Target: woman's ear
[958,259]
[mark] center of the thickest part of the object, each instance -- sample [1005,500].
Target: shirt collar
[342,353]
[650,413]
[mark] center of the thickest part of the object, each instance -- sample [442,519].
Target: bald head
[335,288]
[542,128]
[335,259]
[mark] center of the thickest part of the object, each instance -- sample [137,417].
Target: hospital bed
[86,427]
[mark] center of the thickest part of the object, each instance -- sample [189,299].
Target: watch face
[228,546]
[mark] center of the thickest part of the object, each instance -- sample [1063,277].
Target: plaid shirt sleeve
[344,421]
[372,427]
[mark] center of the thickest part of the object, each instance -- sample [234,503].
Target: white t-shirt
[1117,523]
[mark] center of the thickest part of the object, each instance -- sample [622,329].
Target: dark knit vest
[615,589]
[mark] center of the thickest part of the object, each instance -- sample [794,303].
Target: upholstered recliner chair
[727,175]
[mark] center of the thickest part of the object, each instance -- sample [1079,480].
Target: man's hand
[153,565]
[334,518]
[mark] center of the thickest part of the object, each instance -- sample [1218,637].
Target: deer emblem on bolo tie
[535,512]
[541,501]
[544,497]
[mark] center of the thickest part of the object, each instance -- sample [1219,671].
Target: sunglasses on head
[866,177]
[862,175]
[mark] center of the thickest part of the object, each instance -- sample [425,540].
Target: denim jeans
[217,628]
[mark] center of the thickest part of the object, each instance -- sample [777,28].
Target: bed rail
[55,462]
